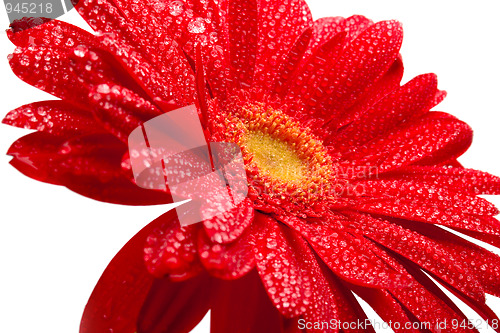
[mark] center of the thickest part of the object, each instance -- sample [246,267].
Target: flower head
[350,174]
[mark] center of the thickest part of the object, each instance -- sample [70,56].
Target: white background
[54,244]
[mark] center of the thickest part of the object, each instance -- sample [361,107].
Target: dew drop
[197,26]
[176,8]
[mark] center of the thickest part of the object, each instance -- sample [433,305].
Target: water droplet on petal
[197,26]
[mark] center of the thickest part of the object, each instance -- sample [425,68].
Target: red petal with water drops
[243,306]
[417,207]
[308,81]
[326,28]
[387,307]
[430,305]
[425,252]
[242,25]
[280,24]
[171,249]
[175,307]
[358,67]
[136,48]
[402,105]
[47,69]
[55,117]
[53,33]
[120,110]
[227,261]
[432,136]
[118,296]
[484,264]
[343,252]
[412,194]
[293,59]
[231,224]
[281,263]
[388,83]
[453,179]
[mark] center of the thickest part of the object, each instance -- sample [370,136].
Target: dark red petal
[348,256]
[425,252]
[430,139]
[88,165]
[230,225]
[53,33]
[364,61]
[387,307]
[227,261]
[118,296]
[34,155]
[408,102]
[243,306]
[280,24]
[175,307]
[280,260]
[454,179]
[171,249]
[54,117]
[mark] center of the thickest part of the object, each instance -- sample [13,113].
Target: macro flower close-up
[353,188]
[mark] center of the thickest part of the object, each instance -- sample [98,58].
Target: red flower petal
[348,256]
[230,225]
[430,304]
[53,33]
[120,110]
[242,25]
[94,172]
[171,249]
[387,307]
[34,156]
[421,250]
[227,261]
[175,307]
[431,138]
[404,104]
[243,306]
[411,194]
[326,28]
[281,263]
[358,67]
[384,85]
[118,296]
[309,81]
[293,59]
[280,24]
[454,179]
[48,70]
[55,117]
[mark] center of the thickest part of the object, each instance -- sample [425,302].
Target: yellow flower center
[275,156]
[283,158]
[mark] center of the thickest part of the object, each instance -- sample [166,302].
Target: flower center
[282,157]
[275,156]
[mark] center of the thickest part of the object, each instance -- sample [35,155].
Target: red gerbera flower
[350,173]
